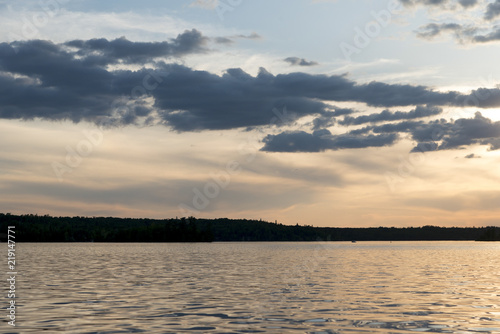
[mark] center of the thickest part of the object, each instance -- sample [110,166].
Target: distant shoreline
[34,228]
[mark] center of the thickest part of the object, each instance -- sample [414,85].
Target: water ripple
[402,287]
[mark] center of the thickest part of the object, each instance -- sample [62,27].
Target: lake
[256,287]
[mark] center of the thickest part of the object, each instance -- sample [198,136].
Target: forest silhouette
[35,228]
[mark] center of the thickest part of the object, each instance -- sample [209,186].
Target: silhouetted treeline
[34,228]
[248,230]
[490,234]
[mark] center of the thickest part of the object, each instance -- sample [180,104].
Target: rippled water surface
[364,287]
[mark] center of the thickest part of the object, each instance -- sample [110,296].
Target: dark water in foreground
[366,287]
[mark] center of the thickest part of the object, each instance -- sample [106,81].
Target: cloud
[440,3]
[493,142]
[295,61]
[394,127]
[327,119]
[492,10]
[380,94]
[463,34]
[386,115]
[103,52]
[467,3]
[322,140]
[474,31]
[196,100]
[431,136]
[223,40]
[442,134]
[265,164]
[206,4]
[467,131]
[425,147]
[231,39]
[446,135]
[472,156]
[492,36]
[73,81]
[433,29]
[423,2]
[253,35]
[237,99]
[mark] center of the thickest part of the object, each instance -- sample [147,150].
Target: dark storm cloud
[348,141]
[104,52]
[378,94]
[327,119]
[467,3]
[388,128]
[296,61]
[56,86]
[324,121]
[492,10]
[445,135]
[431,131]
[322,140]
[442,134]
[386,115]
[425,147]
[492,36]
[191,100]
[468,131]
[494,143]
[41,79]
[50,81]
[61,83]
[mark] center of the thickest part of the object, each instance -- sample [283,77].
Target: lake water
[364,287]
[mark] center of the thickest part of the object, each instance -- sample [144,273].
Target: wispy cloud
[206,4]
[296,61]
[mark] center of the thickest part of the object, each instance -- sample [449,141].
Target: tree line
[35,228]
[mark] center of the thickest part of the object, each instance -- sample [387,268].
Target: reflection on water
[366,287]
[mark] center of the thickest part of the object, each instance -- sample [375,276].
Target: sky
[342,113]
